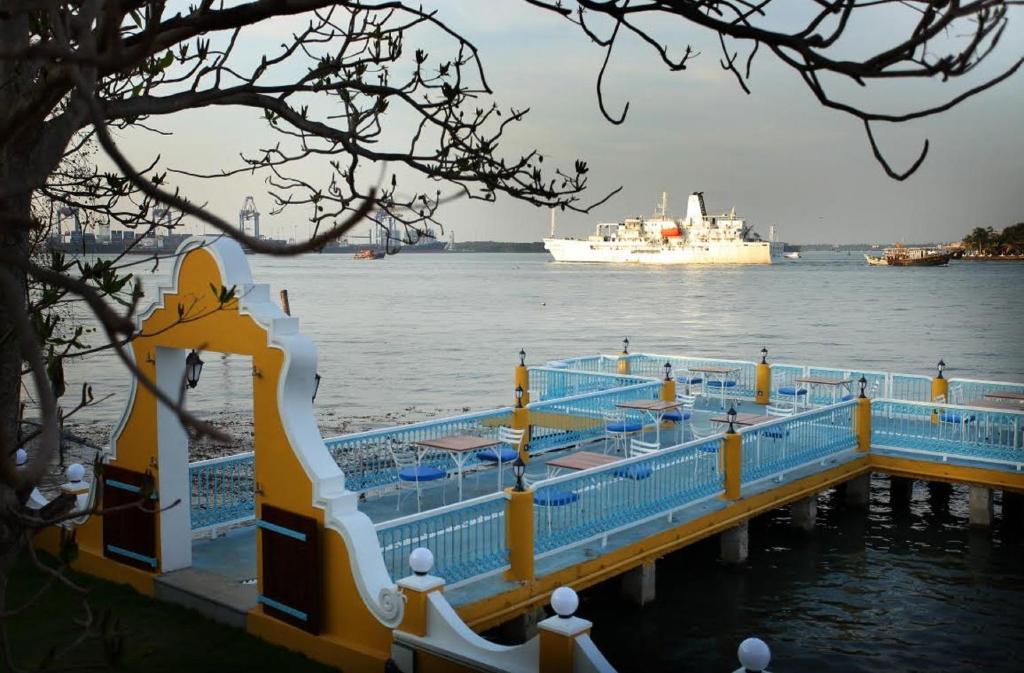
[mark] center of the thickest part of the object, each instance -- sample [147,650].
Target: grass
[156,636]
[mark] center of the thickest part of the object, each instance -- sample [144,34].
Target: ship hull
[619,252]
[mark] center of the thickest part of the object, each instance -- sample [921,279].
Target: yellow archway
[294,472]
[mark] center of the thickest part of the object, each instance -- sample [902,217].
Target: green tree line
[986,241]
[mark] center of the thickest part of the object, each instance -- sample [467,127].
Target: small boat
[791,255]
[369,254]
[900,255]
[876,261]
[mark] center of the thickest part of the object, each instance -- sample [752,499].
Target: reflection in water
[893,588]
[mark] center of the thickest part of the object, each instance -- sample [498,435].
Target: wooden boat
[900,255]
[369,254]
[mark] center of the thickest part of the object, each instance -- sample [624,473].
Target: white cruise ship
[698,238]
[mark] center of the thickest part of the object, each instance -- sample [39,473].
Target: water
[905,590]
[425,332]
[420,334]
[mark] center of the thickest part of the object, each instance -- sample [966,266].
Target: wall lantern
[193,368]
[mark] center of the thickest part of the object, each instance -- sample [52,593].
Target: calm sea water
[419,334]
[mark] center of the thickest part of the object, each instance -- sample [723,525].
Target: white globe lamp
[754,655]
[564,602]
[75,473]
[421,560]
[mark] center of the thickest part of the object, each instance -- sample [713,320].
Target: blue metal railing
[947,430]
[577,410]
[744,378]
[771,449]
[467,539]
[367,463]
[575,508]
[222,491]
[548,383]
[911,387]
[965,391]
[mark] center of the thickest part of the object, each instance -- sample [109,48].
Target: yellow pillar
[668,390]
[764,383]
[732,464]
[940,389]
[521,421]
[519,535]
[523,381]
[862,424]
[416,589]
[623,363]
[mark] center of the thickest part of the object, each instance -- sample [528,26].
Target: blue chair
[412,472]
[798,396]
[954,419]
[552,497]
[504,453]
[693,382]
[618,428]
[721,386]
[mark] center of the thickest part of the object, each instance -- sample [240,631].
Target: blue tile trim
[281,530]
[270,602]
[123,486]
[132,555]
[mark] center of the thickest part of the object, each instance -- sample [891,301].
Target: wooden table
[834,383]
[581,460]
[459,447]
[720,373]
[746,419]
[1006,395]
[656,408]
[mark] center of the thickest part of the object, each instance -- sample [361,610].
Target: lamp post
[518,470]
[519,397]
[941,368]
[668,371]
[522,357]
[764,356]
[625,346]
[732,419]
[193,369]
[863,383]
[316,384]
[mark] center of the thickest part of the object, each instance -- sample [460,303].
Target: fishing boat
[900,255]
[698,238]
[369,254]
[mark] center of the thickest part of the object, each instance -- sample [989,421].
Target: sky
[776,155]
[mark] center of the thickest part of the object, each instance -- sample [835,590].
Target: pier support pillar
[858,491]
[979,500]
[638,584]
[736,544]
[522,628]
[900,491]
[804,513]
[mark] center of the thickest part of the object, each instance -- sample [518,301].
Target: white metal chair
[796,395]
[618,428]
[779,410]
[639,447]
[685,413]
[506,452]
[412,472]
[693,384]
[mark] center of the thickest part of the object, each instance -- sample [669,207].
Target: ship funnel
[695,211]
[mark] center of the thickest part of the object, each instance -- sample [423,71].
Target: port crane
[249,212]
[72,212]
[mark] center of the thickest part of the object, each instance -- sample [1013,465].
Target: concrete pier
[804,513]
[638,584]
[858,491]
[522,628]
[736,544]
[900,491]
[979,502]
[1013,510]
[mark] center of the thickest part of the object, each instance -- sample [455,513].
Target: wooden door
[291,567]
[129,535]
